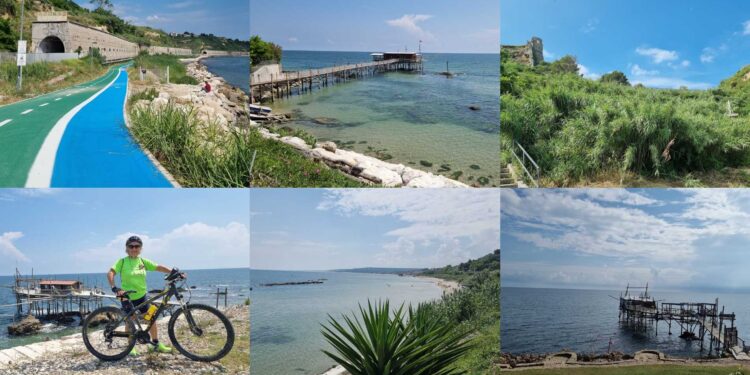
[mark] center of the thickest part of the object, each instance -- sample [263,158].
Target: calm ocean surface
[206,281]
[285,320]
[550,320]
[235,70]
[412,117]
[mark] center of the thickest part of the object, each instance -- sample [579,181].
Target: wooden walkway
[288,84]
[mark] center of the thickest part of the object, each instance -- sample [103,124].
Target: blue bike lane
[97,149]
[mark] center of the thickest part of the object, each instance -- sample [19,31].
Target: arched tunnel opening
[51,44]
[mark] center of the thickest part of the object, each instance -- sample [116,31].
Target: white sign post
[21,61]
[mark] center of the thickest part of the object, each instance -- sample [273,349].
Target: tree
[261,50]
[615,77]
[567,64]
[102,4]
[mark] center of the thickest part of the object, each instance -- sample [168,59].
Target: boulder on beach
[25,326]
[328,146]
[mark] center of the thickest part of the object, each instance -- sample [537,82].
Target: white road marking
[26,111]
[42,105]
[58,99]
[40,174]
[5,122]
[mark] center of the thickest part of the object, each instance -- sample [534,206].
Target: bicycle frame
[166,295]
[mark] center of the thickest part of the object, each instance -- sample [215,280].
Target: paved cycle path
[75,137]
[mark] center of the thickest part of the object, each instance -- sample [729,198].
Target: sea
[550,320]
[205,282]
[285,321]
[415,119]
[234,69]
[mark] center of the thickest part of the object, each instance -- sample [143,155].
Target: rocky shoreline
[225,104]
[362,167]
[68,355]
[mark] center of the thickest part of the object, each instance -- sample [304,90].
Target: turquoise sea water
[235,70]
[285,320]
[205,281]
[411,117]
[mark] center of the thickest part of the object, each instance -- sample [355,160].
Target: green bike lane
[24,125]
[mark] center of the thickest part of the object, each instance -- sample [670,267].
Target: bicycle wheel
[201,333]
[107,334]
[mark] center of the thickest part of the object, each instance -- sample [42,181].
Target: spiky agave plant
[402,342]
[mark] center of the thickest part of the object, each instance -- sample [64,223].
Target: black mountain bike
[199,332]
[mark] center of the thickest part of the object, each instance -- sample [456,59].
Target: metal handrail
[524,156]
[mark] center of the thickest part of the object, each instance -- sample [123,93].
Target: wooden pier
[54,299]
[704,322]
[286,84]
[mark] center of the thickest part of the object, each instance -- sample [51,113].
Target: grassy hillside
[10,14]
[475,306]
[585,132]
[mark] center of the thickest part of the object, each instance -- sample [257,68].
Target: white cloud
[685,63]
[590,26]
[658,55]
[181,4]
[746,28]
[708,55]
[189,246]
[8,249]
[458,223]
[586,73]
[636,70]
[409,22]
[157,19]
[548,55]
[293,39]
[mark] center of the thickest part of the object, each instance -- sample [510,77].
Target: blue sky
[84,230]
[605,238]
[315,229]
[386,25]
[665,43]
[227,18]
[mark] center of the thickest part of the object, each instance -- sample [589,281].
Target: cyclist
[132,270]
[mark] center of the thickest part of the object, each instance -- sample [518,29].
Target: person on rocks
[132,270]
[207,87]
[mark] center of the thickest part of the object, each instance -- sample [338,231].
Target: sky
[316,229]
[63,231]
[688,239]
[663,44]
[227,18]
[386,25]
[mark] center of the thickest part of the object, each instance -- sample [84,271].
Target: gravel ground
[75,359]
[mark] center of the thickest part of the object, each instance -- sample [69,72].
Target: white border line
[40,174]
[148,153]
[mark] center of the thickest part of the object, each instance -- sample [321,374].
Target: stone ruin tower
[531,53]
[537,51]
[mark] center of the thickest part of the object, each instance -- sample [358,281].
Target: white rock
[296,142]
[384,176]
[328,145]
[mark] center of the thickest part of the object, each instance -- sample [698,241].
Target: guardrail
[522,160]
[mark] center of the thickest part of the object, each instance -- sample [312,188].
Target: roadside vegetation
[43,77]
[200,154]
[157,65]
[607,132]
[460,331]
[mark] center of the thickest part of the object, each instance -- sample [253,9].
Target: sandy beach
[448,286]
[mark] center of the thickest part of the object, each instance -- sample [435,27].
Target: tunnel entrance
[51,44]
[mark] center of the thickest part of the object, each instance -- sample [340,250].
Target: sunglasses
[134,246]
